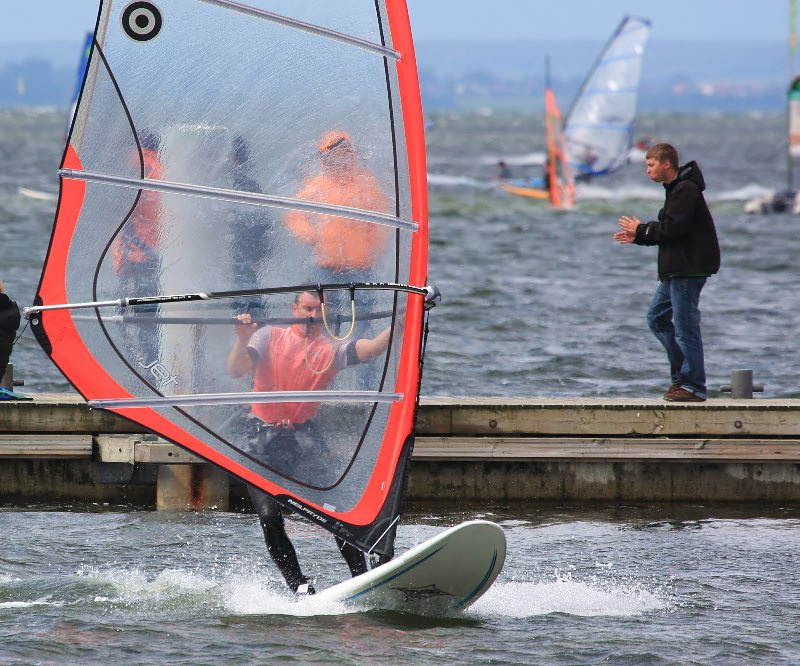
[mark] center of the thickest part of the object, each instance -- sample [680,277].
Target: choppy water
[537,303]
[641,586]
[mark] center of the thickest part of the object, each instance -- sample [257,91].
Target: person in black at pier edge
[9,323]
[688,253]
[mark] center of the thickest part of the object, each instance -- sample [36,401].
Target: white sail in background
[599,126]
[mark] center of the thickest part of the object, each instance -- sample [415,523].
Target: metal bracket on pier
[741,385]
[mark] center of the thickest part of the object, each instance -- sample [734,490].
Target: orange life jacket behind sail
[139,235]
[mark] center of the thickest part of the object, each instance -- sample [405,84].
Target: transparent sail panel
[267,93]
[273,110]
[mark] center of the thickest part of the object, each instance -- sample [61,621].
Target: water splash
[573,597]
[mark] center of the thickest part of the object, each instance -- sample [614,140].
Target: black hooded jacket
[9,318]
[685,233]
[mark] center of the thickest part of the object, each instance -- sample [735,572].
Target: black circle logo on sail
[141,21]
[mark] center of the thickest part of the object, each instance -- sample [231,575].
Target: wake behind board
[446,573]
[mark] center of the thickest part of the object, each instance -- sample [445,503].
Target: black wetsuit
[285,442]
[281,549]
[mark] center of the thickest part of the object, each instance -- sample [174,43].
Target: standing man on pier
[688,253]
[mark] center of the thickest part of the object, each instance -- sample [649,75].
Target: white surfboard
[444,574]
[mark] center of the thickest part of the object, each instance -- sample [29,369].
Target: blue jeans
[674,318]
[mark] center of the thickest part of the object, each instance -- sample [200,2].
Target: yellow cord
[352,322]
[308,363]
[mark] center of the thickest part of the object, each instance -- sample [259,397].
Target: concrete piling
[194,487]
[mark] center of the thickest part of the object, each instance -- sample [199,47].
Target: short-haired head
[335,139]
[663,152]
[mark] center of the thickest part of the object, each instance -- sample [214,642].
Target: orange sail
[561,184]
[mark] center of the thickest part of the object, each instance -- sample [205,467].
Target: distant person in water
[503,171]
[688,253]
[9,323]
[295,358]
[344,250]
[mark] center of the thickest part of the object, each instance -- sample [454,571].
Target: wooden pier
[493,449]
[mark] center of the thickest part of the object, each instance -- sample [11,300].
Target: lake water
[646,585]
[536,303]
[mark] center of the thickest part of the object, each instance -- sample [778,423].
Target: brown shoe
[682,395]
[672,388]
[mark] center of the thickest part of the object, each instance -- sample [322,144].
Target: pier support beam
[192,487]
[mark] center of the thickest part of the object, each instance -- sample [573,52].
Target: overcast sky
[468,20]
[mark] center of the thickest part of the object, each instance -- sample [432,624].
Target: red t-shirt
[285,360]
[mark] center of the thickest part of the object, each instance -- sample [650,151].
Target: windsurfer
[297,358]
[586,165]
[503,171]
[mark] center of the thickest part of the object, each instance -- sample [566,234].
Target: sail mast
[793,101]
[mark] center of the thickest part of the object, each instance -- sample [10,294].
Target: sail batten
[307,27]
[235,196]
[247,398]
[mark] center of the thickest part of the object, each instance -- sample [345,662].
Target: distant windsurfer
[295,358]
[251,226]
[586,163]
[344,250]
[135,252]
[688,253]
[503,171]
